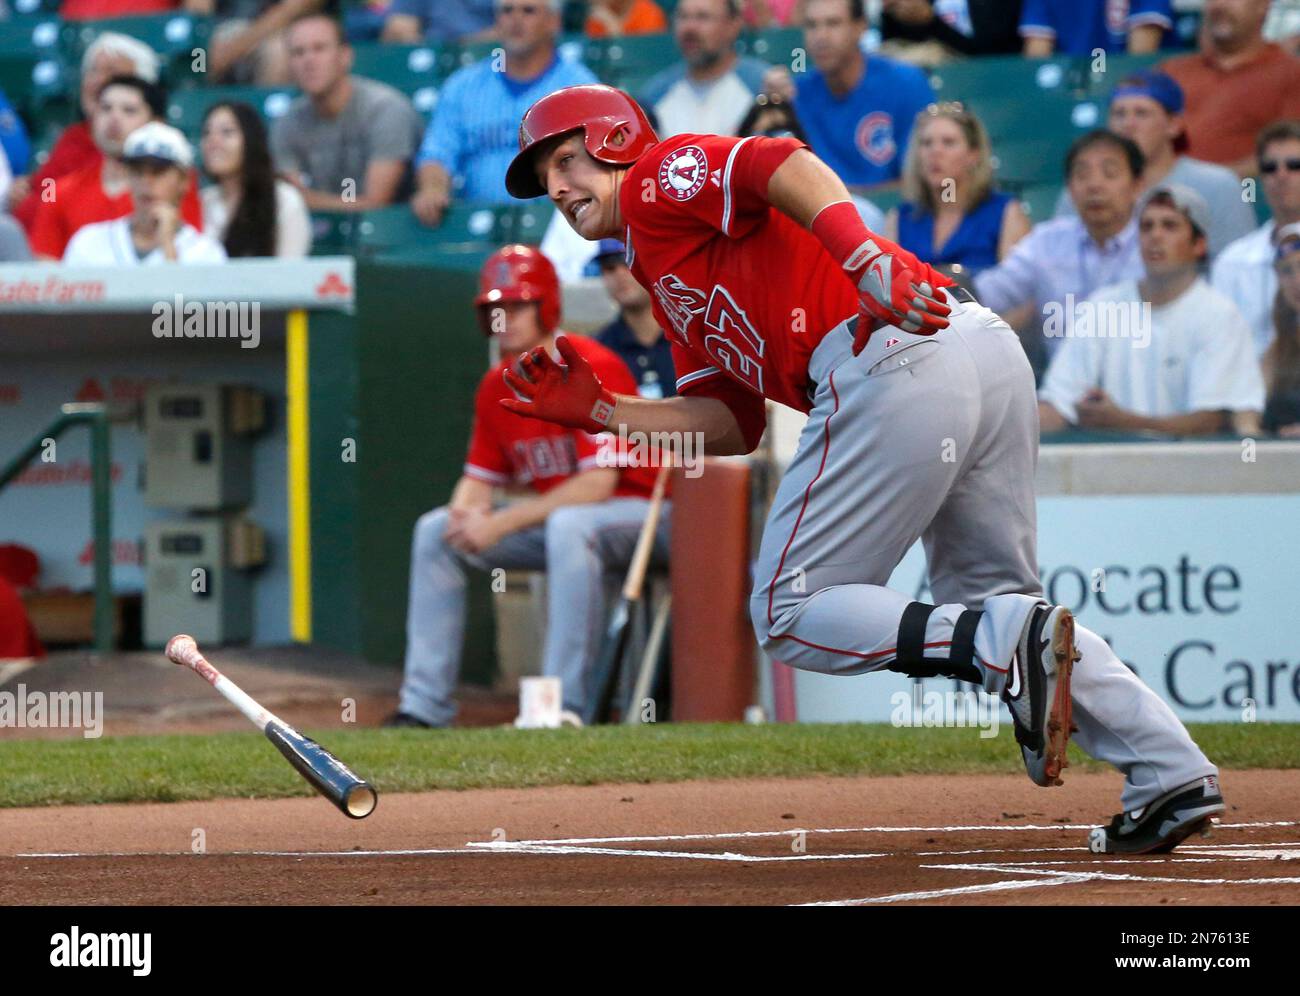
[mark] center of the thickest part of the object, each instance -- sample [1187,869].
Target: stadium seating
[416,70]
[630,62]
[177,38]
[1032,109]
[465,226]
[186,108]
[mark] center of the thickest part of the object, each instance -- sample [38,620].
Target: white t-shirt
[108,243]
[292,220]
[1198,356]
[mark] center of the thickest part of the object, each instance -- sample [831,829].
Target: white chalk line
[592,846]
[523,847]
[793,831]
[960,890]
[1113,876]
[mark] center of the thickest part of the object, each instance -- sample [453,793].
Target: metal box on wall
[198,445]
[197,580]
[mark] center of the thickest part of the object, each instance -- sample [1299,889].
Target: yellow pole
[296,355]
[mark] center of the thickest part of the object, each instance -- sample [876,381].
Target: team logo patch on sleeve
[682,174]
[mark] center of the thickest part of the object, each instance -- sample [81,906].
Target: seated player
[581,520]
[1166,353]
[922,425]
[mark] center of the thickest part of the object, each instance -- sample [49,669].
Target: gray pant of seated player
[936,438]
[577,546]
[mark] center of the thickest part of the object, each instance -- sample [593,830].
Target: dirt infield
[931,839]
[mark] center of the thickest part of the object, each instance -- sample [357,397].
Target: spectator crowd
[1181,209]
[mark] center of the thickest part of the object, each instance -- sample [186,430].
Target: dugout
[369,370]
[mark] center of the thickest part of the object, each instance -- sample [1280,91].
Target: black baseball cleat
[405,721]
[1162,825]
[1037,691]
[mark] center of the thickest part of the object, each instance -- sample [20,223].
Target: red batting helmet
[519,273]
[614,127]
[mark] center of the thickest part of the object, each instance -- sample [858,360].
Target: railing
[101,515]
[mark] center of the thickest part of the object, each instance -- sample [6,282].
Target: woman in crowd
[1282,358]
[247,208]
[951,216]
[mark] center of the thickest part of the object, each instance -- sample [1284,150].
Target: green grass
[244,765]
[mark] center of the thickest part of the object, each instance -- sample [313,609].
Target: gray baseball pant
[936,438]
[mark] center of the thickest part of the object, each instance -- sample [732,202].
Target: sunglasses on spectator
[1271,166]
[527,9]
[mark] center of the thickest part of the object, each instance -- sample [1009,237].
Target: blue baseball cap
[1160,87]
[609,247]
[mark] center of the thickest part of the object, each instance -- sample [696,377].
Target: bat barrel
[354,796]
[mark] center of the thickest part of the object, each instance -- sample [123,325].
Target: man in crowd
[635,335]
[1244,271]
[100,190]
[1235,85]
[1080,27]
[471,138]
[582,518]
[347,142]
[439,22]
[1166,353]
[1148,108]
[711,89]
[110,54]
[158,162]
[856,111]
[1064,260]
[971,27]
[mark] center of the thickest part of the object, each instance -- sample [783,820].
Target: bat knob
[180,646]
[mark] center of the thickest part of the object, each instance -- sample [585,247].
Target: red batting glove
[894,287]
[567,393]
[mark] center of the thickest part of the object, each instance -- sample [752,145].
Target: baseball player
[581,520]
[922,424]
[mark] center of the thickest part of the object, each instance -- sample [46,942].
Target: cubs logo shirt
[862,135]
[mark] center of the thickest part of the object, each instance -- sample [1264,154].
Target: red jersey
[74,150]
[741,290]
[97,10]
[80,200]
[509,449]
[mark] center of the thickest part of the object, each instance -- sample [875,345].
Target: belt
[959,294]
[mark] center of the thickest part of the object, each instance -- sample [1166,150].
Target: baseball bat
[606,671]
[354,796]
